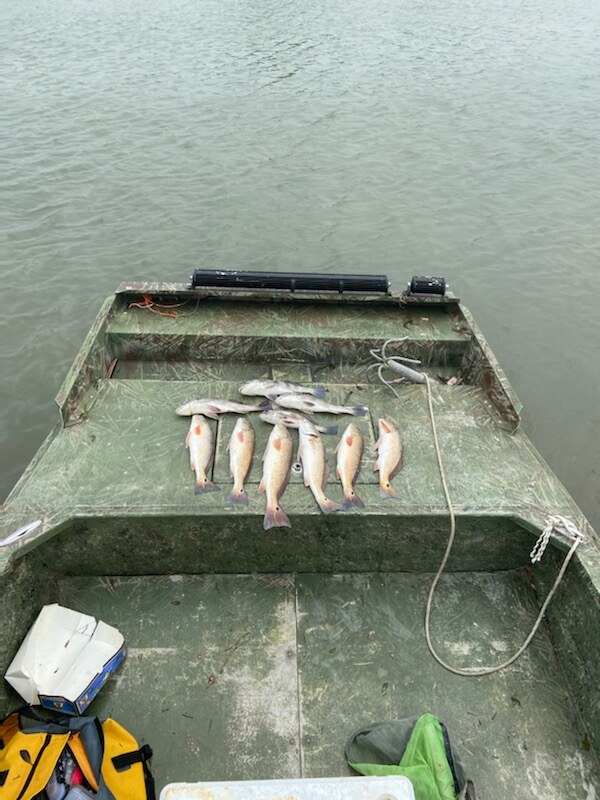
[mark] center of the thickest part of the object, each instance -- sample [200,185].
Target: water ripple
[140,139]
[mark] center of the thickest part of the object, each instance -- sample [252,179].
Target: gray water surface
[141,139]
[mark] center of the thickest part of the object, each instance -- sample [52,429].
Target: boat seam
[298,684]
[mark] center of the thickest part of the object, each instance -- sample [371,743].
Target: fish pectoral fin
[306,480]
[376,445]
[376,466]
[261,487]
[187,439]
[337,474]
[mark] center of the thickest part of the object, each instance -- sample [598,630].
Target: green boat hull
[255,654]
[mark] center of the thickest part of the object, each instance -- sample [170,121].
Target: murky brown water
[140,139]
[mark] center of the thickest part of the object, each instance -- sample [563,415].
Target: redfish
[201,442]
[389,460]
[271,389]
[277,460]
[241,450]
[212,407]
[349,454]
[314,466]
[292,420]
[315,406]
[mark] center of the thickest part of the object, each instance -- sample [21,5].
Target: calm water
[140,139]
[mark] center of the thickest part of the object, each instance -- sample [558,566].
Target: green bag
[418,748]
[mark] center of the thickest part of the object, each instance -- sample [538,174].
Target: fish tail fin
[360,411]
[387,490]
[329,430]
[319,392]
[327,506]
[238,497]
[276,518]
[266,405]
[204,486]
[352,499]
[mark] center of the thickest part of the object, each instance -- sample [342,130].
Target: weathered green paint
[210,679]
[236,542]
[76,395]
[363,658]
[23,591]
[306,654]
[574,616]
[310,320]
[130,455]
[232,677]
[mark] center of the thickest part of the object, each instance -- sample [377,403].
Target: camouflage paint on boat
[336,601]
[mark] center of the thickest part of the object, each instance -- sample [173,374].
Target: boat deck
[255,676]
[128,455]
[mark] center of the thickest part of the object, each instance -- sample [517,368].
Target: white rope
[539,548]
[559,524]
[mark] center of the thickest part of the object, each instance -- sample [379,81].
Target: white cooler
[394,787]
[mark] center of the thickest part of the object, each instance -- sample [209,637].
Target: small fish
[292,420]
[241,450]
[200,441]
[212,407]
[389,460]
[349,453]
[277,460]
[314,465]
[301,403]
[272,389]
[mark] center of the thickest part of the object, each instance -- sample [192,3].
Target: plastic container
[395,787]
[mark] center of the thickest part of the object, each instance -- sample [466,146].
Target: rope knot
[559,525]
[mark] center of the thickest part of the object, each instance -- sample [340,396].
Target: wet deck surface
[129,453]
[267,676]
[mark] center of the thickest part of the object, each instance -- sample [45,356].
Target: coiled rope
[553,523]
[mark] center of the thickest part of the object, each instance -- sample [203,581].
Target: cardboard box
[65,659]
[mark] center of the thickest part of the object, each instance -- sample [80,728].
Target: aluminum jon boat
[255,654]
